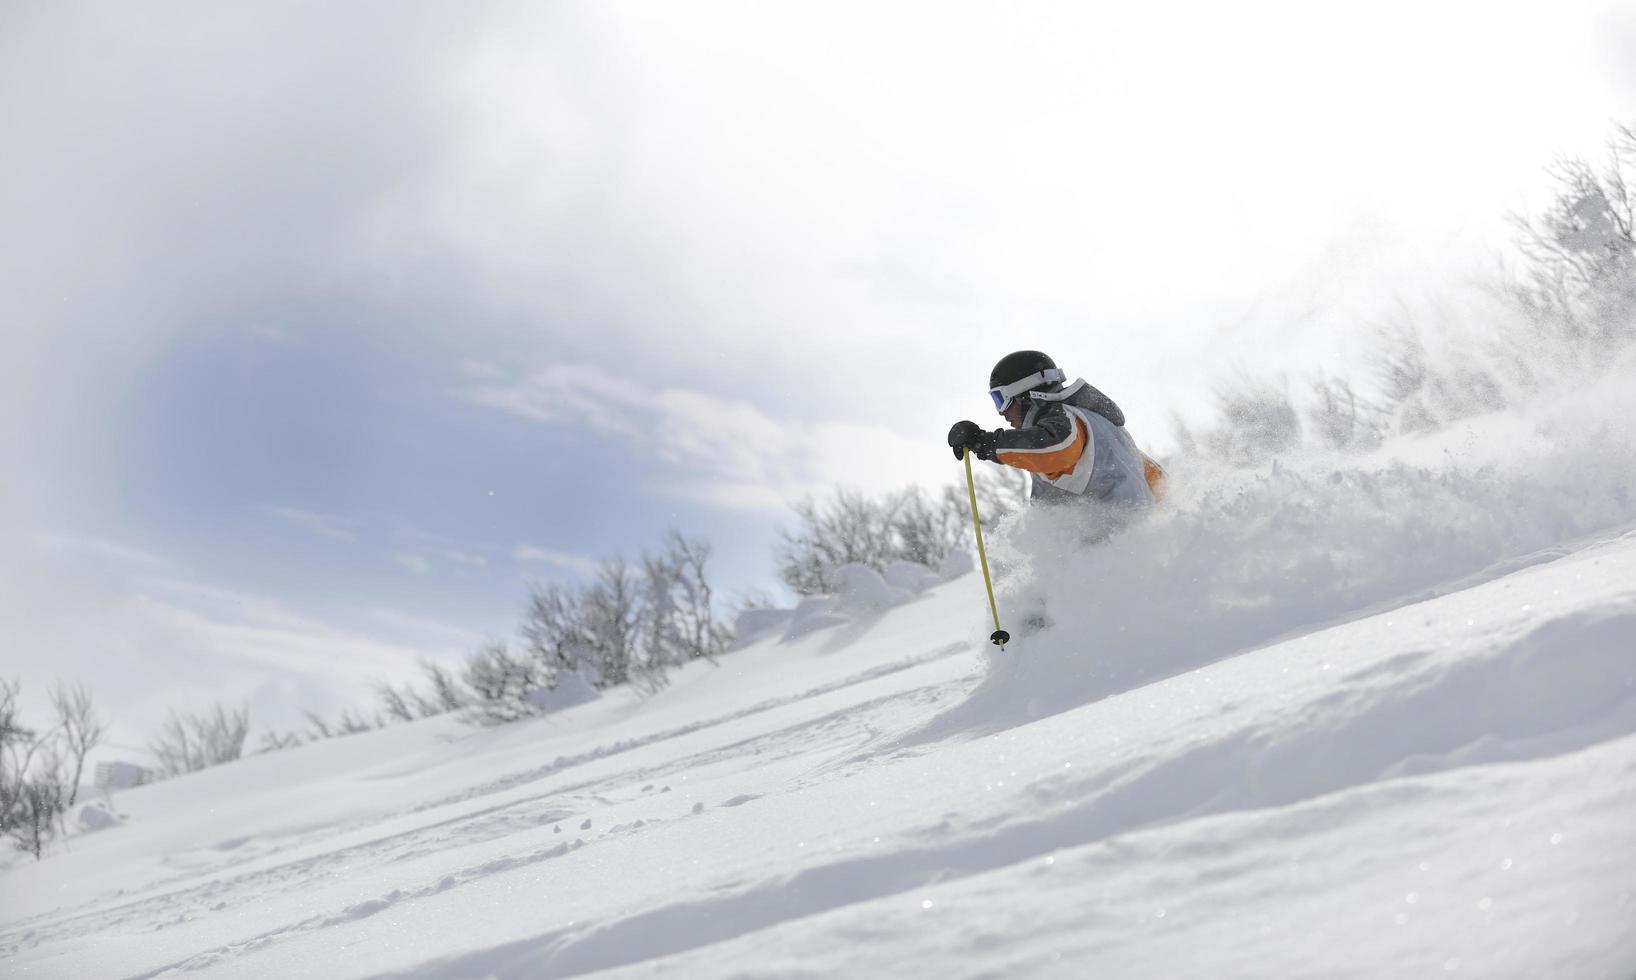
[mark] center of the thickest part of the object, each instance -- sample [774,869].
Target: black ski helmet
[1018,366]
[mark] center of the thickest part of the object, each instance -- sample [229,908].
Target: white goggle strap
[1015,388]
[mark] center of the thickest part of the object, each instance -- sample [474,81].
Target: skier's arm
[1052,445]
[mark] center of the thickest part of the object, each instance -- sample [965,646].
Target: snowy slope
[1394,738]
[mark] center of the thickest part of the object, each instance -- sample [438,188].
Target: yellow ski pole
[1000,637]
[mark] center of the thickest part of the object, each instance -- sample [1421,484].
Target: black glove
[967,435]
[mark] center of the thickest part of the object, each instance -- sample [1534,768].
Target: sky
[328,329]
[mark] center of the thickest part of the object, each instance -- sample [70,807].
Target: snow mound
[571,690]
[956,565]
[1241,558]
[812,614]
[758,624]
[96,816]
[865,592]
[912,577]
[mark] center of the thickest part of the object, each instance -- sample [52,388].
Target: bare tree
[554,630]
[679,602]
[446,692]
[34,791]
[188,743]
[660,642]
[353,721]
[610,615]
[502,683]
[1579,285]
[846,528]
[908,525]
[394,702]
[925,529]
[1341,418]
[1001,492]
[40,806]
[278,741]
[18,744]
[318,727]
[82,732]
[11,726]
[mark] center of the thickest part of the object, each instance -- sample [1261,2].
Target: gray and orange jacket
[1074,444]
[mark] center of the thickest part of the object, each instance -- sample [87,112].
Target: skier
[1070,438]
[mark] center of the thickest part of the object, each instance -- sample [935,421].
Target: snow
[865,592]
[756,624]
[911,577]
[1333,719]
[90,817]
[570,690]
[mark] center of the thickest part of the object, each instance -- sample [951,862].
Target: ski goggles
[1006,394]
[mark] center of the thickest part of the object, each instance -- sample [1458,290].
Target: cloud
[102,550]
[550,556]
[271,334]
[477,370]
[722,452]
[426,545]
[419,631]
[415,563]
[323,525]
[279,661]
[146,635]
[465,558]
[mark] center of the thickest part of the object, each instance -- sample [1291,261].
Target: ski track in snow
[466,829]
[1565,685]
